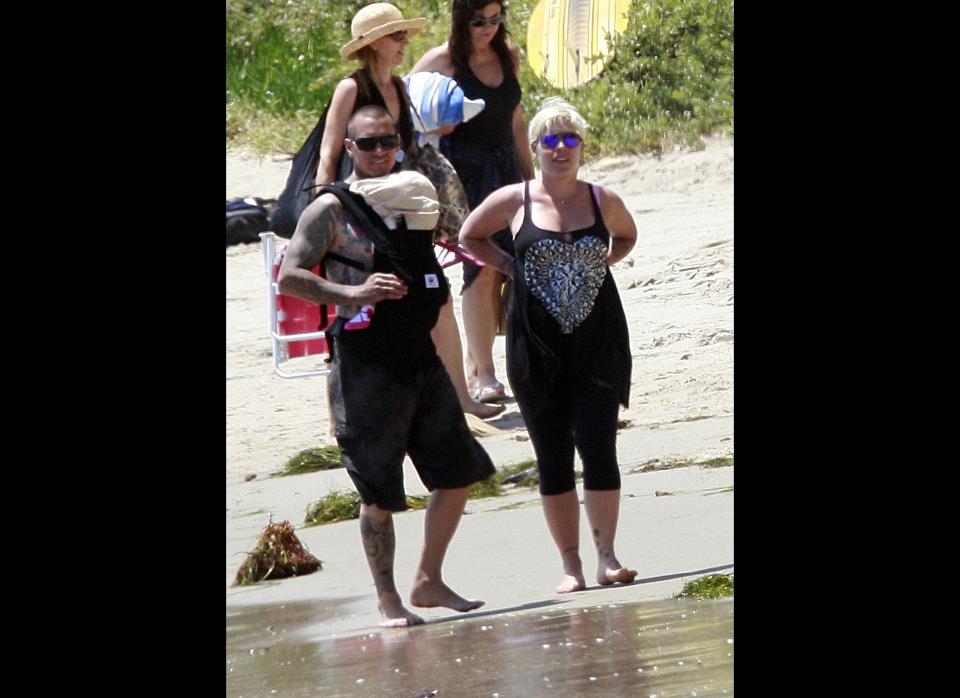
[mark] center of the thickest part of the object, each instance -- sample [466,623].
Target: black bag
[299,190]
[248,217]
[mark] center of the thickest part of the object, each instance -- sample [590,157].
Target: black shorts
[381,415]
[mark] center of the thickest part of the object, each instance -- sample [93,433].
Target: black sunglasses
[480,21]
[369,143]
[552,140]
[398,36]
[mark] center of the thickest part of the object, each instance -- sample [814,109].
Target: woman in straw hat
[380,35]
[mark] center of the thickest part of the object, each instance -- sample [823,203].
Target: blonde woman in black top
[568,353]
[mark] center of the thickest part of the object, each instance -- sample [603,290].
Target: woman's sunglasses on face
[477,22]
[552,140]
[398,36]
[370,143]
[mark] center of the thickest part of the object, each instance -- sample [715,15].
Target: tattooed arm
[322,228]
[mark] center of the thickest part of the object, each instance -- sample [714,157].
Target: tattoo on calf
[601,551]
[379,545]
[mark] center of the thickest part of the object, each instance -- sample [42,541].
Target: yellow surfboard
[563,35]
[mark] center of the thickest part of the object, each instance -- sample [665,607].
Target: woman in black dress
[488,152]
[568,353]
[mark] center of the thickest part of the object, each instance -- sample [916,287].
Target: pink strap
[459,254]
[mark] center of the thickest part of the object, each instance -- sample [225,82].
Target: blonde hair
[555,111]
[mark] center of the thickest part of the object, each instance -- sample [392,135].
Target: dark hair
[459,39]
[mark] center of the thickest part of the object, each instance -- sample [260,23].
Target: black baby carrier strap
[400,328]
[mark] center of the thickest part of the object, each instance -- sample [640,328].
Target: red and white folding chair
[296,326]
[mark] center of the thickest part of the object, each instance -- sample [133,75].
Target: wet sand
[662,648]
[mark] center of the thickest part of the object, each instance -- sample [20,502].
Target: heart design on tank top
[566,277]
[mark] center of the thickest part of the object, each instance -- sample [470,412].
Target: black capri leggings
[585,419]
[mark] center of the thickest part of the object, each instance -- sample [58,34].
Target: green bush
[669,82]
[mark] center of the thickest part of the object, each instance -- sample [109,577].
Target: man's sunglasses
[480,21]
[552,140]
[369,143]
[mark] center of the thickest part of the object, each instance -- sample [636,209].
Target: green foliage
[342,506]
[336,506]
[722,462]
[415,502]
[493,485]
[670,81]
[671,463]
[522,474]
[313,459]
[713,586]
[486,488]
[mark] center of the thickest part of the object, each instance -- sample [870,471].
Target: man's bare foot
[393,614]
[429,594]
[609,575]
[483,410]
[571,583]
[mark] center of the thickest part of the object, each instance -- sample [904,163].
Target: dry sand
[676,287]
[677,290]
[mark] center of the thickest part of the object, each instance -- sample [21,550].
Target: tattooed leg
[379,543]
[603,510]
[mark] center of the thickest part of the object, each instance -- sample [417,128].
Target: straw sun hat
[375,21]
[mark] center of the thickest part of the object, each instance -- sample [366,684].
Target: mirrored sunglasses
[369,143]
[480,21]
[552,140]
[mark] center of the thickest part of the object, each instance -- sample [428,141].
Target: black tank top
[563,271]
[368,93]
[567,321]
[493,126]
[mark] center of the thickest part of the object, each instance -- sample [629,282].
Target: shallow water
[654,648]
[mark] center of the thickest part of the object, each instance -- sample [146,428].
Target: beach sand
[676,287]
[677,291]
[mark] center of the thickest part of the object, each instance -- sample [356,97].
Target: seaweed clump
[279,553]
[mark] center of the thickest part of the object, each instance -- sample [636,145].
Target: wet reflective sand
[654,648]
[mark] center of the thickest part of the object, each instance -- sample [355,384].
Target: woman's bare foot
[613,575]
[482,409]
[571,583]
[393,614]
[572,572]
[428,594]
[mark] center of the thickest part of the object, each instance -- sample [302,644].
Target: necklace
[563,202]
